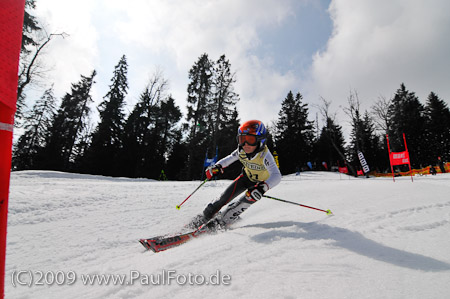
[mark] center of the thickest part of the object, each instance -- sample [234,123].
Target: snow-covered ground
[385,240]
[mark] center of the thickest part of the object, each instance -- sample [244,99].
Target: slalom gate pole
[11,26]
[179,206]
[297,204]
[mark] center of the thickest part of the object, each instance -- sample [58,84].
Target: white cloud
[170,35]
[186,28]
[377,45]
[261,89]
[183,30]
[76,54]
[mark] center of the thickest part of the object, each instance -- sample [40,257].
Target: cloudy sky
[320,48]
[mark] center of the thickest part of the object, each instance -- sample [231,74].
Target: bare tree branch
[28,72]
[380,111]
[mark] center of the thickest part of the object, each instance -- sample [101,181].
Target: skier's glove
[213,171]
[256,192]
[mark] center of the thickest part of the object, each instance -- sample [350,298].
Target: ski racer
[259,174]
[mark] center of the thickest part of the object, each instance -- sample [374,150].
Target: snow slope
[386,240]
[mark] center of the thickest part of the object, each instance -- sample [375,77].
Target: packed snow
[386,239]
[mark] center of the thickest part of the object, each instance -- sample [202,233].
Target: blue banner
[209,162]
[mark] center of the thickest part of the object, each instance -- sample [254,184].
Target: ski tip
[144,243]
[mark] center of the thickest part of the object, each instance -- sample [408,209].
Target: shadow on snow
[352,241]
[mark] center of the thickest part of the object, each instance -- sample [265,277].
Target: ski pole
[297,204]
[179,206]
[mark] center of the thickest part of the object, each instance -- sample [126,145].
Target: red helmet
[252,132]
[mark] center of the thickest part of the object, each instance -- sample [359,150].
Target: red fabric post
[6,119]
[390,157]
[399,158]
[409,160]
[11,23]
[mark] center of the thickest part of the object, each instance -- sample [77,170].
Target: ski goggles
[249,139]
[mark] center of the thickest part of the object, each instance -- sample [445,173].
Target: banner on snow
[362,160]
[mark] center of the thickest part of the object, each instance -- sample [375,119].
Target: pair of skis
[158,244]
[162,243]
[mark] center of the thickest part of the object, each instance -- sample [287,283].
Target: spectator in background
[441,165]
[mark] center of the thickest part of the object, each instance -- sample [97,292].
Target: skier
[260,173]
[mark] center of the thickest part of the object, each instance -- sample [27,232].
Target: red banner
[343,169]
[399,158]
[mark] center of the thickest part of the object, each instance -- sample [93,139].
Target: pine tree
[329,147]
[176,158]
[136,136]
[199,120]
[30,26]
[58,153]
[329,144]
[103,154]
[363,137]
[212,116]
[438,128]
[37,124]
[164,136]
[227,143]
[223,103]
[407,116]
[140,126]
[228,131]
[294,134]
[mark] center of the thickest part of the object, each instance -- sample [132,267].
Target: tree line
[154,136]
[426,127]
[150,139]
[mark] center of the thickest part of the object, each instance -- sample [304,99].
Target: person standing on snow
[260,173]
[441,165]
